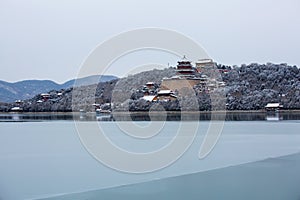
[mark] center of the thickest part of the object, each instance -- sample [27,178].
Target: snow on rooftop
[149,97]
[150,83]
[272,105]
[206,60]
[165,92]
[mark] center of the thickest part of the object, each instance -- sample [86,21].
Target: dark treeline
[251,87]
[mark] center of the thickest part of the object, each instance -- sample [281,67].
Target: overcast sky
[49,39]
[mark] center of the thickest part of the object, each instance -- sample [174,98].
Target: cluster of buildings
[18,106]
[49,97]
[44,97]
[187,76]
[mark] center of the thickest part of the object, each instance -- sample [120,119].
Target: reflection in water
[273,116]
[230,116]
[15,116]
[23,117]
[104,117]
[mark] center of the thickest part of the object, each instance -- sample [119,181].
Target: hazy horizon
[49,40]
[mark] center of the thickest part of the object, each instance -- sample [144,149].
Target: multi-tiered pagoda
[185,68]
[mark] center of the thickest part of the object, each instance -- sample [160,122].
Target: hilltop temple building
[185,68]
[187,77]
[204,64]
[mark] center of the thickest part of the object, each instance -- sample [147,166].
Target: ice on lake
[47,159]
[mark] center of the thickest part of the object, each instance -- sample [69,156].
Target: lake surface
[256,157]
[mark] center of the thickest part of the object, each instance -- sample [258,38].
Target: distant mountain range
[26,89]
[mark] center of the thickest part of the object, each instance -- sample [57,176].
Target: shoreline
[159,112]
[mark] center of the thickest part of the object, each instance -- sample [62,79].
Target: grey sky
[49,39]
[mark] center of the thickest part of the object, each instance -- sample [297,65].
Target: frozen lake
[47,159]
